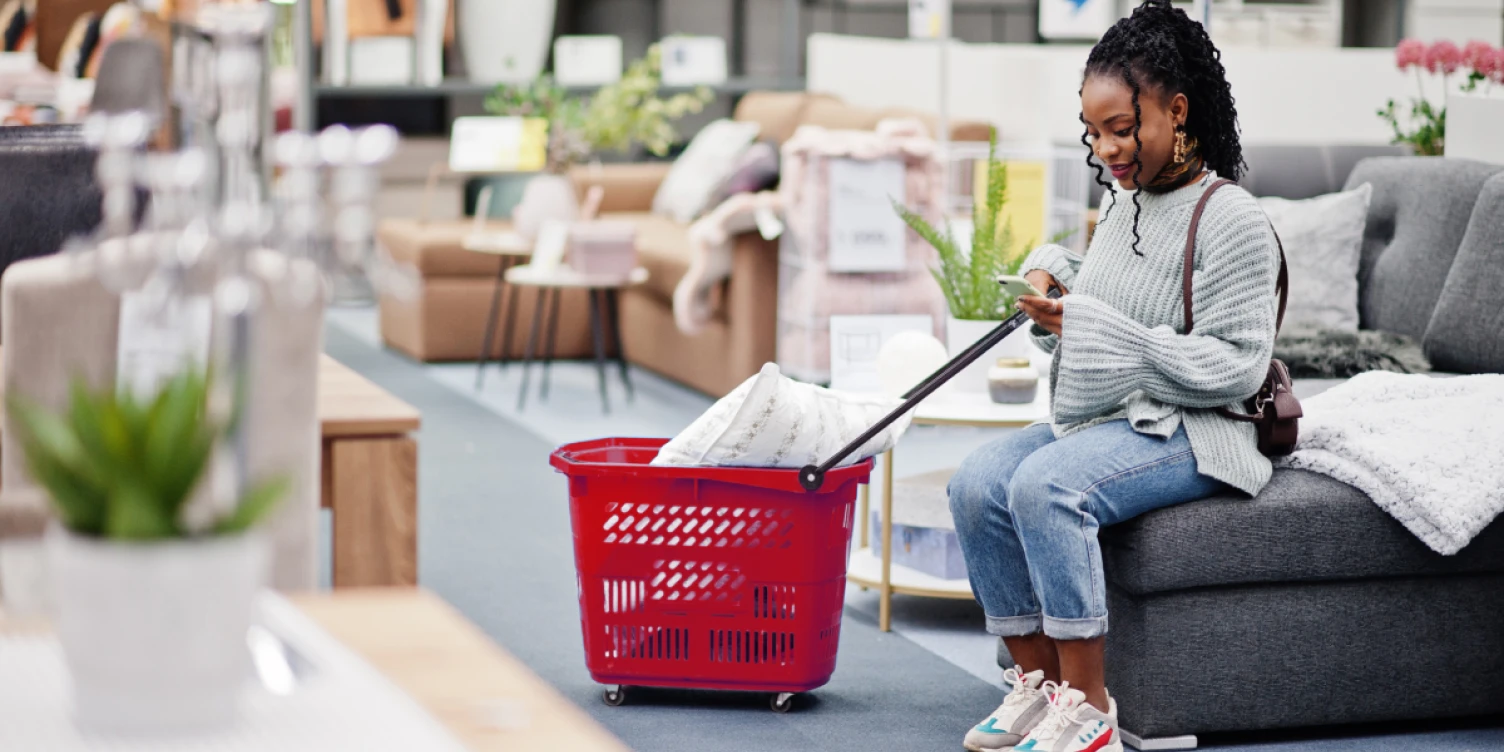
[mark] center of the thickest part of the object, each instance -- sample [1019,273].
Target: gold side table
[944,408]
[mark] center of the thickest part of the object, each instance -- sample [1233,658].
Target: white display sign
[587,60]
[497,144]
[866,234]
[693,61]
[929,19]
[855,342]
[1077,19]
[158,337]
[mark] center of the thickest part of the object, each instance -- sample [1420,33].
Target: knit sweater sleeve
[1062,264]
[1106,355]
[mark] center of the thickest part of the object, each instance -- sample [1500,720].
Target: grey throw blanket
[1329,354]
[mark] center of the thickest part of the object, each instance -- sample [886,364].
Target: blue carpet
[494,540]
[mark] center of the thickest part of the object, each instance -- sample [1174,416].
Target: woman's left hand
[1048,313]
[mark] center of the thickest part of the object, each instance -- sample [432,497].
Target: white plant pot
[546,197]
[154,634]
[963,333]
[505,41]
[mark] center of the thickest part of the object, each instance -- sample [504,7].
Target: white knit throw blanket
[1429,451]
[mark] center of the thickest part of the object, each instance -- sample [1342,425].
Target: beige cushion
[437,248]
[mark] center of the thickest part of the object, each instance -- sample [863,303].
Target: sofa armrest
[752,302]
[629,187]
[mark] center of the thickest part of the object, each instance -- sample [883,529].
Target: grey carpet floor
[494,540]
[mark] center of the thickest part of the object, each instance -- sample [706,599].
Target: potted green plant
[968,275]
[154,584]
[616,118]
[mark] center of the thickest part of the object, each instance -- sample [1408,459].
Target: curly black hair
[1160,46]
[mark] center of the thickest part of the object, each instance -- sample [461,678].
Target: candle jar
[1013,381]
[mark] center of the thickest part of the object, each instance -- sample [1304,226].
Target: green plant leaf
[259,501]
[137,514]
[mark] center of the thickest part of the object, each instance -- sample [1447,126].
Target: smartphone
[1018,286]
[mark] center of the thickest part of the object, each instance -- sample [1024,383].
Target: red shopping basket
[706,578]
[717,577]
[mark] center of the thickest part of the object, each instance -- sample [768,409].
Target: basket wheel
[782,702]
[614,695]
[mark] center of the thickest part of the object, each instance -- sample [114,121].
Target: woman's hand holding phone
[1048,313]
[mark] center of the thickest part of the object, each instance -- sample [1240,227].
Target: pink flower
[1479,56]
[1443,57]
[1409,53]
[1497,66]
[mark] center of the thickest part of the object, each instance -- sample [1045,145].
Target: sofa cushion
[780,113]
[1466,333]
[1302,527]
[1420,210]
[662,249]
[436,248]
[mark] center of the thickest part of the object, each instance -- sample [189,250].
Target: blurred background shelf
[460,87]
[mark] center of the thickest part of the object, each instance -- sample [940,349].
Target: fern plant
[969,280]
[121,468]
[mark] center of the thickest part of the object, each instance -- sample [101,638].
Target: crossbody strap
[1282,285]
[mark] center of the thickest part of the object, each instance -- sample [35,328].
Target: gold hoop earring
[1182,146]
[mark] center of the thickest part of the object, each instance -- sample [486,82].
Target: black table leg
[532,342]
[553,337]
[485,345]
[613,305]
[598,335]
[510,323]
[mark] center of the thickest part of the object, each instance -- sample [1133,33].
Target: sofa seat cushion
[437,248]
[1302,527]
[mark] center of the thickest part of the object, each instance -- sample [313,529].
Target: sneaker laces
[1059,716]
[1021,691]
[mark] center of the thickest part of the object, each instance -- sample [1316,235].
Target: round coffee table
[510,249]
[605,316]
[944,408]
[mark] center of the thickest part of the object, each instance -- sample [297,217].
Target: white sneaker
[1027,703]
[1073,725]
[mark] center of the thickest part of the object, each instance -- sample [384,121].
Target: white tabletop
[566,276]
[951,407]
[502,243]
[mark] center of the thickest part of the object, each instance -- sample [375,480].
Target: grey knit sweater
[1122,353]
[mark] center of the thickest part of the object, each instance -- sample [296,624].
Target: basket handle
[813,476]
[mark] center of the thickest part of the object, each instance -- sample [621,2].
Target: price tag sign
[587,60]
[866,234]
[855,342]
[158,338]
[498,144]
[694,61]
[929,19]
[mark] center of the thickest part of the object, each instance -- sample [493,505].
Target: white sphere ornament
[906,359]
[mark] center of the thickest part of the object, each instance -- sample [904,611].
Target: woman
[1134,422]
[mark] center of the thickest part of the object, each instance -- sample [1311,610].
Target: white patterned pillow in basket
[771,420]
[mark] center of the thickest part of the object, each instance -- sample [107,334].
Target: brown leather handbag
[1273,410]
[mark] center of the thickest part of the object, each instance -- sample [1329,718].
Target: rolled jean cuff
[1015,626]
[1071,629]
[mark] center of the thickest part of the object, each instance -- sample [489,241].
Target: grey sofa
[1308,605]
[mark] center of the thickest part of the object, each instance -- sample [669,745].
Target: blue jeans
[1028,507]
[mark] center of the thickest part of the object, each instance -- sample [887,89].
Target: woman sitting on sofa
[1134,421]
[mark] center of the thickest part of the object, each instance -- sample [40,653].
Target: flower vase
[154,633]
[547,197]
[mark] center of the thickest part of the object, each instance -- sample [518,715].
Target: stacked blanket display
[809,293]
[1429,451]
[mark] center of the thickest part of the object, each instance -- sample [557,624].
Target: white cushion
[705,164]
[1323,239]
[771,420]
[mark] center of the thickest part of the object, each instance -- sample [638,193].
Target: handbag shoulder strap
[1282,285]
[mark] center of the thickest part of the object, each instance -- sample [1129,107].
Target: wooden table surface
[486,697]
[350,405]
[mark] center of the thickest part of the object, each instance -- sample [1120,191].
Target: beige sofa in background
[449,321]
